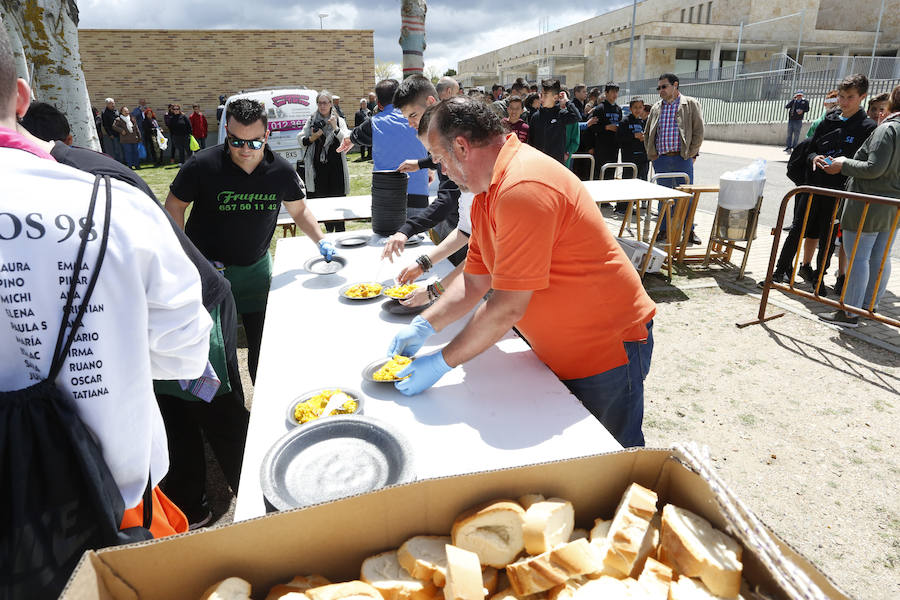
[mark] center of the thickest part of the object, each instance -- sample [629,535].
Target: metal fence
[758,92]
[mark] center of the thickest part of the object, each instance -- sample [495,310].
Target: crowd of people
[135,136]
[149,364]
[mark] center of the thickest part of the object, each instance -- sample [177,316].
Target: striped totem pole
[412,36]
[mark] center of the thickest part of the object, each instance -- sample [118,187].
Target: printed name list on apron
[35,333]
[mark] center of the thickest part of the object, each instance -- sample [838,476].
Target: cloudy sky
[455,29]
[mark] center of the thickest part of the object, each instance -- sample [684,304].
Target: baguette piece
[649,546]
[554,567]
[233,588]
[578,534]
[548,523]
[628,527]
[655,578]
[600,530]
[349,590]
[425,558]
[528,499]
[687,588]
[490,577]
[493,531]
[464,576]
[384,573]
[693,547]
[300,583]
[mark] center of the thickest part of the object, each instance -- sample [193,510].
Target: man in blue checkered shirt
[673,136]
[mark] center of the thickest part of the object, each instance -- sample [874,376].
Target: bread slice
[548,523]
[233,588]
[299,583]
[490,577]
[424,558]
[493,531]
[628,527]
[554,567]
[655,578]
[649,545]
[687,588]
[464,576]
[528,499]
[693,547]
[579,534]
[384,573]
[349,590]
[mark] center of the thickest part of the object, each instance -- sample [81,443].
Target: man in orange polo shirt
[557,273]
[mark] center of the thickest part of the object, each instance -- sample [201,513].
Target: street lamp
[322,16]
[737,58]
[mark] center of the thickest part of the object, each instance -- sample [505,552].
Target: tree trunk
[44,35]
[412,36]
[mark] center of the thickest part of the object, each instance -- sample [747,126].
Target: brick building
[195,66]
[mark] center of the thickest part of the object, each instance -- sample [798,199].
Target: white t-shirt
[465,212]
[145,319]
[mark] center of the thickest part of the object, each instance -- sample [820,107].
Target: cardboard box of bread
[637,524]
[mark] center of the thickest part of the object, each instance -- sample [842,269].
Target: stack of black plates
[388,201]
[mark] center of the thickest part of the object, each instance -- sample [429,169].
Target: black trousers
[223,422]
[253,328]
[608,153]
[817,227]
[181,147]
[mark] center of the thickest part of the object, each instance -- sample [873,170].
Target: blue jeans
[793,134]
[672,164]
[616,397]
[864,272]
[130,151]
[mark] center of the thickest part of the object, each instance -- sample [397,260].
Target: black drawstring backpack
[57,494]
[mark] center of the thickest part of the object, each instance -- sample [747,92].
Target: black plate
[318,266]
[414,240]
[334,458]
[353,240]
[395,308]
[343,291]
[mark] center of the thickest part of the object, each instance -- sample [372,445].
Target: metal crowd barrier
[790,288]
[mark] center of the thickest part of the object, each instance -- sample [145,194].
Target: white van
[287,110]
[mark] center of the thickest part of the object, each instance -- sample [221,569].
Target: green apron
[216,359]
[250,285]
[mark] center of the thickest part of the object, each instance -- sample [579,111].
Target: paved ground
[800,417]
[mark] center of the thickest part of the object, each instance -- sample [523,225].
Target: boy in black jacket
[631,141]
[547,127]
[841,133]
[604,127]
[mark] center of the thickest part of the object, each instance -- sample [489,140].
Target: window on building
[682,15]
[699,13]
[708,11]
[552,48]
[691,15]
[689,60]
[579,41]
[728,57]
[570,43]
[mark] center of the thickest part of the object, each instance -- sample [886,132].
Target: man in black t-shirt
[604,127]
[237,190]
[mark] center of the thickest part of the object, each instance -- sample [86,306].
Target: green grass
[159,179]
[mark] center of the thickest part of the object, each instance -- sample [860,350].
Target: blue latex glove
[327,250]
[411,337]
[423,373]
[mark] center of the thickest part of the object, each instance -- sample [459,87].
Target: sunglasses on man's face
[236,142]
[661,87]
